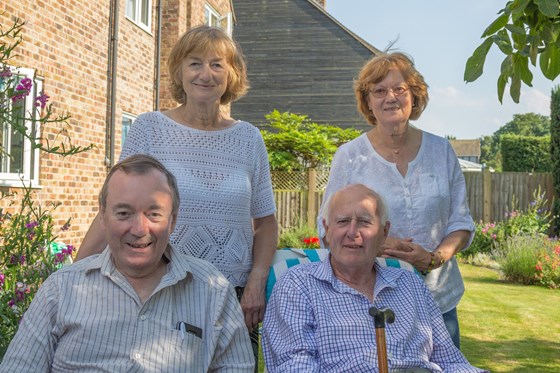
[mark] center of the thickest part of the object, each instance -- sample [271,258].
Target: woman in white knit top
[227,206]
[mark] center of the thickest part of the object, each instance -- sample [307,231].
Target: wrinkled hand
[253,303]
[405,249]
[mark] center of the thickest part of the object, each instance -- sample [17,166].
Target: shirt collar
[386,277]
[178,267]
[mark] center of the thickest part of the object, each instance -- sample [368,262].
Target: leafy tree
[296,143]
[490,153]
[555,154]
[525,31]
[529,124]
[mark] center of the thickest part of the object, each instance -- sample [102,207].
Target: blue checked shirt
[316,323]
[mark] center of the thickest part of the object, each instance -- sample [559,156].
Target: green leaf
[502,81]
[515,29]
[498,24]
[550,8]
[517,6]
[550,62]
[535,42]
[515,89]
[475,63]
[501,39]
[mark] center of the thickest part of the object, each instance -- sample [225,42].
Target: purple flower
[5,72]
[2,277]
[22,89]
[41,100]
[31,225]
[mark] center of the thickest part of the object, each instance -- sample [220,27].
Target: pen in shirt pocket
[184,328]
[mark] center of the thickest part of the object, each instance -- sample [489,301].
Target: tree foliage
[529,124]
[295,143]
[527,32]
[555,154]
[525,153]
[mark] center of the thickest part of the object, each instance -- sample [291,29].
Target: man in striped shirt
[137,306]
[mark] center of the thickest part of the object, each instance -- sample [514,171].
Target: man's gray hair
[381,206]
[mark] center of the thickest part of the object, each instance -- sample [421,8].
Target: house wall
[68,43]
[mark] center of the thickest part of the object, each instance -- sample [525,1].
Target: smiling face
[204,77]
[138,220]
[391,109]
[354,229]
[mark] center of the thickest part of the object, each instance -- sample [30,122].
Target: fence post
[486,195]
[311,190]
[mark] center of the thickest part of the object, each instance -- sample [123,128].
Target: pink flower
[22,89]
[538,267]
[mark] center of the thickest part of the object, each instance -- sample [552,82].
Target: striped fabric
[287,258]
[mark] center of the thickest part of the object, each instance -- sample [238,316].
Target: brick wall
[68,44]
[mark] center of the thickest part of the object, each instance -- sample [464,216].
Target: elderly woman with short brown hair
[416,172]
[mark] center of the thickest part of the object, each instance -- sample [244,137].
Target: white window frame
[134,13]
[30,173]
[125,127]
[214,19]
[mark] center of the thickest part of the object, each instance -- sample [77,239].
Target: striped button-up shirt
[316,323]
[86,317]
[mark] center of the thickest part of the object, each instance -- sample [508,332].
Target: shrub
[29,250]
[490,237]
[27,258]
[299,237]
[548,267]
[517,258]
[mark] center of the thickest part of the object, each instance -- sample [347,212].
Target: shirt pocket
[185,352]
[429,185]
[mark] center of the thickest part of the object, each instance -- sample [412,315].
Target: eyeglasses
[381,92]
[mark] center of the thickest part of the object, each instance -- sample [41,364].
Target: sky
[440,35]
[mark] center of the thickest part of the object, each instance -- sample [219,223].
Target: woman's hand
[405,249]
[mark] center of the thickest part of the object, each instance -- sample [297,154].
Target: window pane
[145,12]
[131,9]
[16,138]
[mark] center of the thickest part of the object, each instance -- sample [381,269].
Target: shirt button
[142,317]
[137,356]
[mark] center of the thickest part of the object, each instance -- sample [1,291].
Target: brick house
[101,62]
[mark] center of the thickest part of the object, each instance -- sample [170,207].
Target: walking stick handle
[380,317]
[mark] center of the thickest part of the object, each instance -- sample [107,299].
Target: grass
[505,327]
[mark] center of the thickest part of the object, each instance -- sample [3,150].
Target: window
[213,18]
[18,161]
[140,12]
[127,121]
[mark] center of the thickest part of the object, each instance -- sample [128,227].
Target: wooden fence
[491,195]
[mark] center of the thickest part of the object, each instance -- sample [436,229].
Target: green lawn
[508,328]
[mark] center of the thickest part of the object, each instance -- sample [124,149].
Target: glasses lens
[379,92]
[399,90]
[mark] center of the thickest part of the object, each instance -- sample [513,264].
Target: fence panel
[507,190]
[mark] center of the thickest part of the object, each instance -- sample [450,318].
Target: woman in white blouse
[416,172]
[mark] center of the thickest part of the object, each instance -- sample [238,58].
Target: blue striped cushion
[287,258]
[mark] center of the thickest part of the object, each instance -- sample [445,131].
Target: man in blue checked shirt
[317,318]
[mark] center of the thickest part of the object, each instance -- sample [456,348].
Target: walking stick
[380,316]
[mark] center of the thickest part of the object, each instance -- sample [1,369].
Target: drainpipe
[112,83]
[158,57]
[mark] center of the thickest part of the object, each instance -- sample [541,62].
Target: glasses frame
[392,90]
